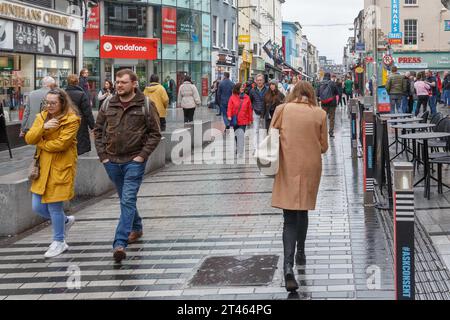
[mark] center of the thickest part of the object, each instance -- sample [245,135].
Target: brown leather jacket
[126,134]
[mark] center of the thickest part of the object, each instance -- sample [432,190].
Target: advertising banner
[93,26]
[169,26]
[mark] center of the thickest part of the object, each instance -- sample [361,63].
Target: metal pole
[375,56]
[354,136]
[404,218]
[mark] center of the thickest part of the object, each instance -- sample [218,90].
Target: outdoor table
[396,115]
[412,127]
[401,121]
[425,136]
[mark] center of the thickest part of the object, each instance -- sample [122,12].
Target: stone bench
[16,215]
[92,179]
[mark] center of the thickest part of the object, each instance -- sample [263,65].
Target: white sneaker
[69,224]
[56,248]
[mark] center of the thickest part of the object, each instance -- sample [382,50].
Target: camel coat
[57,150]
[303,140]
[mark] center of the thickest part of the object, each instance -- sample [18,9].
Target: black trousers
[295,230]
[422,100]
[188,115]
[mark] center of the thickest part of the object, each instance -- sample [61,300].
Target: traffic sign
[388,60]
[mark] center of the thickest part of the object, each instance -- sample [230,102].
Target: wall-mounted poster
[66,43]
[6,35]
[47,40]
[25,37]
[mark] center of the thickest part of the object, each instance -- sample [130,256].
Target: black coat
[81,101]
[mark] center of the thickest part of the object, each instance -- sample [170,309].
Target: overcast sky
[329,40]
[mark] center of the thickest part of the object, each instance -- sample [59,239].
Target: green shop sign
[422,60]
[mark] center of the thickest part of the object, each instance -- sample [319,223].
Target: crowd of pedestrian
[416,92]
[128,129]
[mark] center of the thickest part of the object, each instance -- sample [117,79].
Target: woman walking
[54,133]
[303,139]
[188,99]
[240,106]
[422,91]
[272,100]
[107,91]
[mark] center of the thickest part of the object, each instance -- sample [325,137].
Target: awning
[269,66]
[289,68]
[306,76]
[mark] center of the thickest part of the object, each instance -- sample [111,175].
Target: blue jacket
[257,98]
[224,93]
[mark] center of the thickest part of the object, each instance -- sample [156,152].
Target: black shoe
[300,259]
[289,278]
[331,134]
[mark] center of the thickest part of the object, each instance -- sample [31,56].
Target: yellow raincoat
[57,150]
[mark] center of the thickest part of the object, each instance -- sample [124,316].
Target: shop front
[224,63]
[183,46]
[421,61]
[34,43]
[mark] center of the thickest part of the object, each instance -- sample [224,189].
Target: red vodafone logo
[114,47]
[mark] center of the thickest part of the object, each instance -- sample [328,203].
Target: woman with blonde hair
[54,132]
[303,140]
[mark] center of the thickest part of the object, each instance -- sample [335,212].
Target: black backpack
[326,94]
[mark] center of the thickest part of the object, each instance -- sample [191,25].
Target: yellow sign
[244,38]
[359,70]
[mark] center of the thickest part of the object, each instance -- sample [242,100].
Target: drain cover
[236,271]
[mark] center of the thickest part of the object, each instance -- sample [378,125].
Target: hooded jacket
[156,93]
[57,152]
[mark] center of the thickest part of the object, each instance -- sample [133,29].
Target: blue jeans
[405,104]
[433,105]
[223,111]
[53,212]
[396,103]
[127,178]
[447,98]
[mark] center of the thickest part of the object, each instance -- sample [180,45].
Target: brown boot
[134,236]
[119,254]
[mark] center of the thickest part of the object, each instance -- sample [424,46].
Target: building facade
[425,33]
[37,39]
[224,38]
[292,46]
[183,30]
[260,32]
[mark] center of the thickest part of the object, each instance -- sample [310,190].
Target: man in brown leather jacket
[126,133]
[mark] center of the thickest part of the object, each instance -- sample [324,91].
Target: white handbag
[268,152]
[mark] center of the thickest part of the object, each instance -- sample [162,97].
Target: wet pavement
[198,215]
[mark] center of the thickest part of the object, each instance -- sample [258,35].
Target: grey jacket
[33,107]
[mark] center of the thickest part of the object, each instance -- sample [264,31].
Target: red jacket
[245,116]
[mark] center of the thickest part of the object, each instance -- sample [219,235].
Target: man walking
[81,101]
[33,106]
[223,95]
[396,88]
[257,95]
[446,88]
[327,93]
[126,134]
[156,93]
[431,80]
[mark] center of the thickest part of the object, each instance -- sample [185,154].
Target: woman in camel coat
[303,140]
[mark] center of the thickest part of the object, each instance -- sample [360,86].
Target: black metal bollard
[369,158]
[404,217]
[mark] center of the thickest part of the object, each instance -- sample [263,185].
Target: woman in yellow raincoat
[54,133]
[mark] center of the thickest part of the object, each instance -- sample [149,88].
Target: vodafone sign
[114,47]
